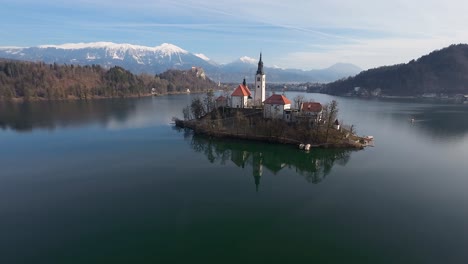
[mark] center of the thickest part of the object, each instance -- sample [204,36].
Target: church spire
[244,82]
[260,65]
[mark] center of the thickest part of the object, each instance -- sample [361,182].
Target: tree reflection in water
[27,116]
[314,166]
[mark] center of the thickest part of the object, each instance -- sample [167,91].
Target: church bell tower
[259,84]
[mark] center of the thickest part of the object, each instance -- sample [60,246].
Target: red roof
[241,90]
[221,98]
[311,107]
[277,99]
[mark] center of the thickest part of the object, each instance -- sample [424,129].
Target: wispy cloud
[294,33]
[371,53]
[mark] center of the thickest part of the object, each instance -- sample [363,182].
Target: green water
[112,181]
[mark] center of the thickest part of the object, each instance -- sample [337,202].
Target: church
[276,106]
[242,96]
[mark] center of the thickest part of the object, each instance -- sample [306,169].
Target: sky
[307,34]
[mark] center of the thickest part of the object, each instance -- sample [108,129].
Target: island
[244,115]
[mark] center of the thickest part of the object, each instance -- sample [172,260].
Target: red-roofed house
[275,105]
[311,108]
[310,112]
[221,101]
[241,95]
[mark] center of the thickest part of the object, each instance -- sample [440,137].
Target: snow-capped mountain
[132,57]
[153,60]
[248,60]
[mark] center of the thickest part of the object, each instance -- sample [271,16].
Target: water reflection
[26,116]
[435,120]
[313,166]
[443,121]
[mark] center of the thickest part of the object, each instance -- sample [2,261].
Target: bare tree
[186,112]
[298,100]
[331,115]
[209,101]
[197,108]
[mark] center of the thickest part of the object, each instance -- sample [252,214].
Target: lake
[112,181]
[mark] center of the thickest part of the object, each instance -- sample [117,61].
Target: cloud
[370,53]
[295,33]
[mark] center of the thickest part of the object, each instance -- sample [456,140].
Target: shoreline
[73,98]
[422,98]
[268,139]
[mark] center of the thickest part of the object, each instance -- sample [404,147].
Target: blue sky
[292,34]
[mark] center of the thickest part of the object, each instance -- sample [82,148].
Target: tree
[209,101]
[186,112]
[197,108]
[331,114]
[298,100]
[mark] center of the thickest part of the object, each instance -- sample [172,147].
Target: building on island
[221,101]
[312,111]
[336,125]
[241,96]
[260,84]
[275,106]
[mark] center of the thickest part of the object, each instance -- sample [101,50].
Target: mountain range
[439,73]
[155,60]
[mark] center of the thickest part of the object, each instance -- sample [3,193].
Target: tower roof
[277,99]
[260,66]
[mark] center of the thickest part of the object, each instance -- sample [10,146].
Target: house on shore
[336,125]
[275,105]
[310,112]
[221,101]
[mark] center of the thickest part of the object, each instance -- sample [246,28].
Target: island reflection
[313,166]
[27,116]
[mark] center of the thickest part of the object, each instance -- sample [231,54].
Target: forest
[37,80]
[442,71]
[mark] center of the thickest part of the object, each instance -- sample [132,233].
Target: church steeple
[260,84]
[244,82]
[260,65]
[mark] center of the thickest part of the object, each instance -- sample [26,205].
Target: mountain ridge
[443,72]
[155,60]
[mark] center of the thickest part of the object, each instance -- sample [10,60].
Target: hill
[31,80]
[155,60]
[442,71]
